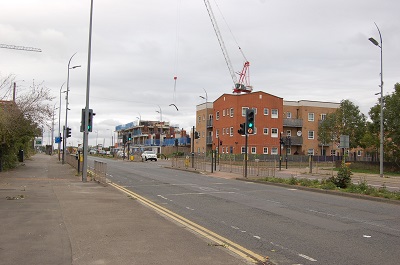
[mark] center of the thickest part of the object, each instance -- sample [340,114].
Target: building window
[244,111]
[311,135]
[266,111]
[254,150]
[274,132]
[288,151]
[217,115]
[359,153]
[323,117]
[274,113]
[311,152]
[223,131]
[265,131]
[333,152]
[265,150]
[231,112]
[255,110]
[289,133]
[310,116]
[223,113]
[217,133]
[199,119]
[243,149]
[288,115]
[231,131]
[274,150]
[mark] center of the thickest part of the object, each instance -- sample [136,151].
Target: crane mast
[23,48]
[243,85]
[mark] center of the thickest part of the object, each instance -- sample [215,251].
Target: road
[288,225]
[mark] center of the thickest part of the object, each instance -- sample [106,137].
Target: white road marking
[189,208]
[199,193]
[257,237]
[366,236]
[235,227]
[307,257]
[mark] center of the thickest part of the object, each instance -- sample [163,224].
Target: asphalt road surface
[290,226]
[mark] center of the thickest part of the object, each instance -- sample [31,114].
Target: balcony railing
[298,123]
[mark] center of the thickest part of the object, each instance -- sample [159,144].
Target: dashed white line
[257,237]
[307,257]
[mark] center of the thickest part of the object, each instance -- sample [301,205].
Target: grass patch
[326,184]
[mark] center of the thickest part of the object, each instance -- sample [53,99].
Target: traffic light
[68,133]
[242,129]
[129,137]
[90,121]
[60,139]
[196,135]
[250,121]
[124,139]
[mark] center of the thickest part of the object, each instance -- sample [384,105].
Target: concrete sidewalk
[48,216]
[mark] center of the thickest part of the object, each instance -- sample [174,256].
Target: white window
[217,115]
[274,113]
[310,135]
[311,116]
[274,132]
[274,150]
[255,110]
[333,152]
[254,150]
[223,113]
[359,153]
[244,111]
[265,131]
[199,119]
[231,112]
[217,133]
[223,131]
[266,111]
[265,150]
[231,131]
[289,133]
[288,115]
[311,152]
[323,117]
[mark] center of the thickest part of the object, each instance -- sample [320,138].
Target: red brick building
[229,112]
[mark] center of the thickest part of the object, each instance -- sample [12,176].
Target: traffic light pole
[245,154]
[193,147]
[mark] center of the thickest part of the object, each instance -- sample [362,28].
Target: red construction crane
[243,84]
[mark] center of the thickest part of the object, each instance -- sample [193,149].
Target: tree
[391,124]
[20,120]
[346,120]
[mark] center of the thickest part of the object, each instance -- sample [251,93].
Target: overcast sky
[297,49]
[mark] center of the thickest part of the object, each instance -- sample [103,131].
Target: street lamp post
[59,125]
[66,107]
[381,101]
[206,99]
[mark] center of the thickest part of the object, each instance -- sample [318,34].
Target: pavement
[48,216]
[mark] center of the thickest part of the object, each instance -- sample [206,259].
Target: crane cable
[230,30]
[176,59]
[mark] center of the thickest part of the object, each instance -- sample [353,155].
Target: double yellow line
[219,240]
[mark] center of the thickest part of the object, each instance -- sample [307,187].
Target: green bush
[343,178]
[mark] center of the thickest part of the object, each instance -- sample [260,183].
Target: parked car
[149,155]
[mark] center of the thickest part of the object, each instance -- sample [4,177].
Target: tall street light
[381,129]
[206,99]
[66,108]
[59,124]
